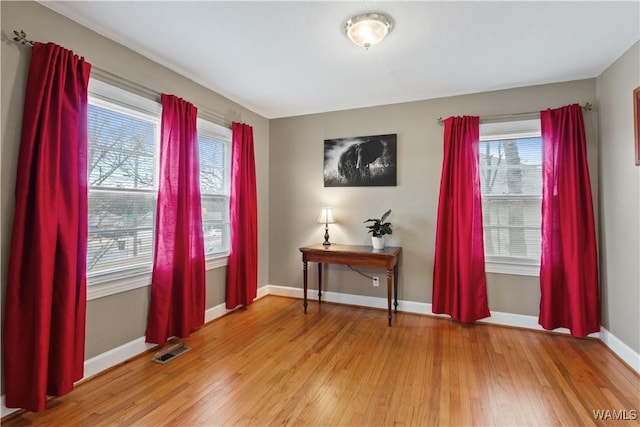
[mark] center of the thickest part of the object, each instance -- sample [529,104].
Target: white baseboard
[524,321]
[262,292]
[4,411]
[215,312]
[221,309]
[623,351]
[113,357]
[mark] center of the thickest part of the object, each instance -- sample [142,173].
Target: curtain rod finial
[21,37]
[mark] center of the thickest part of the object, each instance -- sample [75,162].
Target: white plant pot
[377,242]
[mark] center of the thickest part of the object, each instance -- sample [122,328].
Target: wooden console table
[364,256]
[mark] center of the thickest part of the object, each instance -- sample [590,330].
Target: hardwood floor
[343,366]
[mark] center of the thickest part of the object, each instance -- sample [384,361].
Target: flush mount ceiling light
[368,29]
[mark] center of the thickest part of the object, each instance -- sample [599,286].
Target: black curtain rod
[531,114]
[21,37]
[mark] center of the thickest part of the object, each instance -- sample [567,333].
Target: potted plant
[379,229]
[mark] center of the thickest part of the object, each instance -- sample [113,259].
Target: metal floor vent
[171,353]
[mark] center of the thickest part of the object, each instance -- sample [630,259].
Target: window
[511,178]
[214,144]
[124,134]
[124,141]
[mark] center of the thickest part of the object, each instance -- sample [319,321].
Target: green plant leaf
[379,228]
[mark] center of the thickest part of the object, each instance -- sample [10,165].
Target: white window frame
[109,283]
[221,134]
[511,130]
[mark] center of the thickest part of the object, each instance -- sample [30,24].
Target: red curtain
[568,266]
[178,281]
[242,271]
[459,282]
[45,302]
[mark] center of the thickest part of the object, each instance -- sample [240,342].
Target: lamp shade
[368,29]
[326,216]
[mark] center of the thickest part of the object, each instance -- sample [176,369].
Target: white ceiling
[288,58]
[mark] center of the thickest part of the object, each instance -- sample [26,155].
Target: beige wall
[297,190]
[115,320]
[620,200]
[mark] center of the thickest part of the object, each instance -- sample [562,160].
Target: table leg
[389,279]
[304,274]
[320,266]
[395,286]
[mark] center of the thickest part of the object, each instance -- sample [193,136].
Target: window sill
[217,262]
[512,268]
[114,284]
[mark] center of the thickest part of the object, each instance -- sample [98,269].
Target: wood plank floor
[343,366]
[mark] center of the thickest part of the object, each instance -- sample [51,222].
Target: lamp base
[326,235]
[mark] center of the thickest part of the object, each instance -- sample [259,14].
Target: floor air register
[171,353]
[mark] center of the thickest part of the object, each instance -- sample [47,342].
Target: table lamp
[326,218]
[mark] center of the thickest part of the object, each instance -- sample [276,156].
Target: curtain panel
[178,280]
[459,282]
[45,302]
[568,265]
[242,270]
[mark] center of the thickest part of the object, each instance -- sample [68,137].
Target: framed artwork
[636,122]
[361,161]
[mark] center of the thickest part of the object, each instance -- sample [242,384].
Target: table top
[388,251]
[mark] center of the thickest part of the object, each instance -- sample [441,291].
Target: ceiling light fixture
[368,29]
